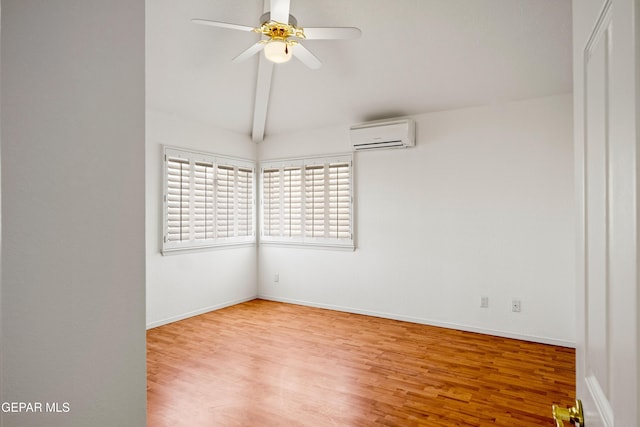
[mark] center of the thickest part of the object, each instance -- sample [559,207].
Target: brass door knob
[573,415]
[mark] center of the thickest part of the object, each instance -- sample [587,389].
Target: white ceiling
[414,56]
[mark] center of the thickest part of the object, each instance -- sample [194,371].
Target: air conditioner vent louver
[383,134]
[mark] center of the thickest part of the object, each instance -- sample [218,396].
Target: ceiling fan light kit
[278,47]
[277,51]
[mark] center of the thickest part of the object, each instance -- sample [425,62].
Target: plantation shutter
[244,186]
[292,202]
[339,201]
[208,200]
[315,201]
[177,200]
[271,202]
[308,201]
[224,201]
[204,201]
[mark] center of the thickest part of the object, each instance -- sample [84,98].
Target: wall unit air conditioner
[396,133]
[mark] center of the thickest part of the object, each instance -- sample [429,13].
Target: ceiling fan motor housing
[280,31]
[266,17]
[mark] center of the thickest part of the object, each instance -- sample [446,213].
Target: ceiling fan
[281,40]
[282,36]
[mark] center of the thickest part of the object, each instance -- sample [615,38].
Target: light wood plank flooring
[264,363]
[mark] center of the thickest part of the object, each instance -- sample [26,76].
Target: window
[308,201]
[208,200]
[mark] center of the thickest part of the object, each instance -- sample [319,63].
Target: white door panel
[606,150]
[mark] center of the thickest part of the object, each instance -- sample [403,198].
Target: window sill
[300,245]
[193,249]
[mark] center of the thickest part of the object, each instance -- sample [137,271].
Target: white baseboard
[198,312]
[448,325]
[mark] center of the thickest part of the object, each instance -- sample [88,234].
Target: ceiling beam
[263,88]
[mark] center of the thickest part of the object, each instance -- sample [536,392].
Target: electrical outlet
[276,278]
[516,306]
[484,302]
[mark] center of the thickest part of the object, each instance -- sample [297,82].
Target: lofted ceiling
[414,56]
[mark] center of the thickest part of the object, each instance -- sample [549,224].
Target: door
[606,111]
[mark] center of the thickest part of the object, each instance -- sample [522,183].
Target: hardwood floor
[264,363]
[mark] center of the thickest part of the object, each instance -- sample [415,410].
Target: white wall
[186,284]
[73,211]
[1,357]
[484,205]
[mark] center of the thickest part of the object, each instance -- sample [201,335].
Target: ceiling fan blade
[280,11]
[222,25]
[249,52]
[332,33]
[306,57]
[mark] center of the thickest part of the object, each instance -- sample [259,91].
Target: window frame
[302,240]
[192,244]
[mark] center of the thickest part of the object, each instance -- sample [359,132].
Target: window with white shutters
[308,201]
[209,201]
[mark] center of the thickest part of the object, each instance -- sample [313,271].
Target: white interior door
[606,150]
